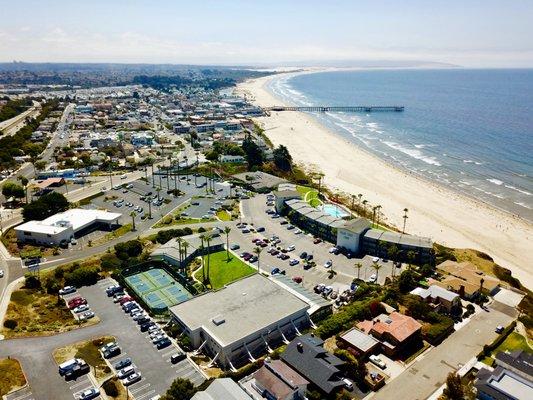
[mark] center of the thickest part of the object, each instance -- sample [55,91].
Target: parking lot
[157,372]
[254,210]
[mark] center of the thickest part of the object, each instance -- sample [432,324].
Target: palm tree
[378,208]
[404,218]
[411,255]
[257,251]
[353,201]
[202,238]
[185,246]
[358,265]
[365,202]
[208,239]
[373,216]
[179,241]
[481,282]
[359,197]
[376,267]
[133,214]
[227,230]
[393,255]
[158,190]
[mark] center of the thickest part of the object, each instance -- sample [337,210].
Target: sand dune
[445,216]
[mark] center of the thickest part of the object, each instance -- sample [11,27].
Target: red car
[125,300]
[317,241]
[77,303]
[256,240]
[297,279]
[262,244]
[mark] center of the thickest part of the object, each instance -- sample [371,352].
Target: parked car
[89,394]
[176,358]
[348,385]
[81,308]
[147,325]
[67,290]
[372,278]
[275,271]
[375,259]
[291,247]
[133,378]
[112,352]
[499,329]
[317,241]
[294,262]
[328,264]
[334,250]
[86,315]
[125,372]
[303,255]
[108,346]
[260,229]
[1,273]
[118,297]
[297,279]
[163,343]
[112,290]
[377,361]
[235,246]
[327,291]
[319,288]
[125,362]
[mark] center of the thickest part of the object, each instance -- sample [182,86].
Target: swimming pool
[334,211]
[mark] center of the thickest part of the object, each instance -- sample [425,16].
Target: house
[62,227]
[307,356]
[241,321]
[222,388]
[277,381]
[440,298]
[394,331]
[511,379]
[359,342]
[466,279]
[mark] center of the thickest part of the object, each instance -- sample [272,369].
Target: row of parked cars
[78,305]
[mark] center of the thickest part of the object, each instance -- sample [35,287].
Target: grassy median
[88,351]
[223,271]
[12,377]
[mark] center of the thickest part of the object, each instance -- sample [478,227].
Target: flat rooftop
[239,309]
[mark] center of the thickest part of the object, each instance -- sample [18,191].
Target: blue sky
[470,33]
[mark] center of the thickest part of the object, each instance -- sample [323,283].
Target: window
[27,233]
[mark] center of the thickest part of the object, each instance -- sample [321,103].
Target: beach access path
[447,217]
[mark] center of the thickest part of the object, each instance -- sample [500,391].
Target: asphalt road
[425,376]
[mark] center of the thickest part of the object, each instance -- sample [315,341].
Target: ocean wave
[414,153]
[518,190]
[495,181]
[472,162]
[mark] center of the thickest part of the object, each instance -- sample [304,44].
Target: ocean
[470,130]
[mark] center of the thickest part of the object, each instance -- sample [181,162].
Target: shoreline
[447,216]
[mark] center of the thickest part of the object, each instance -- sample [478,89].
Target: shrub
[110,387]
[10,324]
[32,282]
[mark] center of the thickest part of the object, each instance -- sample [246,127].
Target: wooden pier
[337,108]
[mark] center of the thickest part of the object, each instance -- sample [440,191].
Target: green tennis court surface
[158,289]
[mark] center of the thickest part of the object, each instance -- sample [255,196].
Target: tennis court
[158,289]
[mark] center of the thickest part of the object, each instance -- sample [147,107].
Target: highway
[12,126]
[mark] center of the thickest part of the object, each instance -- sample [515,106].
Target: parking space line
[164,355]
[82,382]
[23,396]
[82,390]
[138,389]
[142,396]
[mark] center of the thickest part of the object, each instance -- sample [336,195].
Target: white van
[68,365]
[125,372]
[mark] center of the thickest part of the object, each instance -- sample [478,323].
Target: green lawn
[223,215]
[223,271]
[310,195]
[514,341]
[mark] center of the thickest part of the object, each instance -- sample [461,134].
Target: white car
[372,278]
[328,264]
[291,247]
[377,361]
[67,290]
[82,308]
[125,372]
[1,273]
[375,259]
[136,377]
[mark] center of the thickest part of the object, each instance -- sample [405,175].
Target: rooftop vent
[300,347]
[218,320]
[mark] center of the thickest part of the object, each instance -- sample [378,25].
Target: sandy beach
[447,217]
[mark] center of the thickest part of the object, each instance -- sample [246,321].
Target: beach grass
[223,271]
[12,376]
[36,313]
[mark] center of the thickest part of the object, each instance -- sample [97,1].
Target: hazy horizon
[488,33]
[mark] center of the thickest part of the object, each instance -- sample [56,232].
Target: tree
[358,266]
[13,189]
[180,389]
[254,155]
[405,210]
[416,307]
[202,249]
[454,387]
[227,230]
[208,239]
[282,158]
[257,252]
[407,281]
[185,246]
[133,214]
[129,249]
[45,206]
[376,266]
